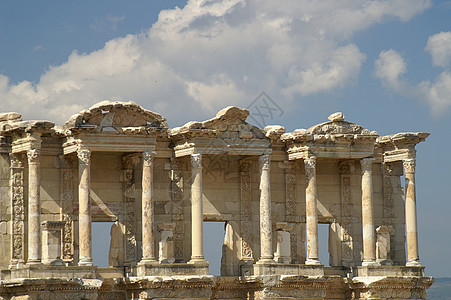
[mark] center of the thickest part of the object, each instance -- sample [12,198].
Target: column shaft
[265,210]
[368,229]
[311,198]
[413,258]
[197,215]
[34,207]
[84,207]
[148,208]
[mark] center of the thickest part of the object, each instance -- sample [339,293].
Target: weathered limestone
[369,233]
[84,207]
[215,170]
[265,211]
[383,245]
[34,207]
[51,243]
[413,258]
[166,244]
[283,248]
[197,219]
[148,208]
[311,198]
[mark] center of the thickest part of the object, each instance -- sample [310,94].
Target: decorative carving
[387,170]
[264,161]
[409,165]
[148,158]
[196,161]
[18,212]
[246,210]
[67,192]
[338,127]
[346,167]
[177,207]
[310,167]
[33,156]
[347,248]
[84,156]
[367,164]
[128,190]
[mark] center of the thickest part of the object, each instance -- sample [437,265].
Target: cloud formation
[390,68]
[214,53]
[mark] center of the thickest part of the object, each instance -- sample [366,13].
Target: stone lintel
[222,147]
[157,269]
[375,270]
[283,226]
[52,225]
[282,269]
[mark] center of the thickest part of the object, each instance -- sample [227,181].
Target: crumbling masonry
[118,162]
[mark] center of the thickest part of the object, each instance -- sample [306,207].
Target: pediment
[106,116]
[229,122]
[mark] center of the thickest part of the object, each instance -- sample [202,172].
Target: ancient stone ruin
[118,162]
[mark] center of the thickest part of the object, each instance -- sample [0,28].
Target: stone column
[413,258]
[34,207]
[197,214]
[84,207]
[148,208]
[369,233]
[311,198]
[266,249]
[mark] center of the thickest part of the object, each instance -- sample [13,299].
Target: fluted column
[148,226]
[311,198]
[197,217]
[84,207]
[368,229]
[34,207]
[413,258]
[265,210]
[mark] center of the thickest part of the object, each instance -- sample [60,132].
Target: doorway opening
[101,243]
[213,242]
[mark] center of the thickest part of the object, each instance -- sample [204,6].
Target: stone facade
[118,162]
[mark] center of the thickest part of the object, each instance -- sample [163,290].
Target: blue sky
[385,64]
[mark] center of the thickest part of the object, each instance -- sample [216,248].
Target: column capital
[196,161]
[310,162]
[264,161]
[409,165]
[367,164]
[148,157]
[33,156]
[84,155]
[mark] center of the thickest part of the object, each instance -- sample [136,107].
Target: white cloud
[439,46]
[390,68]
[196,60]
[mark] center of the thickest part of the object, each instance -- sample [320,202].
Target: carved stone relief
[346,169]
[67,198]
[18,204]
[245,203]
[128,188]
[177,199]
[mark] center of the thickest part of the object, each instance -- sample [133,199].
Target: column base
[266,260]
[369,262]
[198,261]
[34,262]
[414,263]
[312,261]
[85,262]
[148,261]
